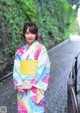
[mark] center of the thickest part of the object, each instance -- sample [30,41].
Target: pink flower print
[46,79]
[20,50]
[22,107]
[34,90]
[27,57]
[34,98]
[34,80]
[42,103]
[37,53]
[14,82]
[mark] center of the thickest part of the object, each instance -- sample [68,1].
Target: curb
[59,45]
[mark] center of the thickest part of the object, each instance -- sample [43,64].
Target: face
[30,38]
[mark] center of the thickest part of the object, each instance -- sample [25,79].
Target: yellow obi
[28,67]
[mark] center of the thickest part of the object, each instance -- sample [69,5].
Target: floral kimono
[32,100]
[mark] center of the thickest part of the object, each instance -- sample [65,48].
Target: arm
[41,79]
[42,72]
[17,77]
[16,72]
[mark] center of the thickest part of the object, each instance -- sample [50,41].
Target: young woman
[31,72]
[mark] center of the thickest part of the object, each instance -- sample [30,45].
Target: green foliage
[70,29]
[75,26]
[52,18]
[13,18]
[29,9]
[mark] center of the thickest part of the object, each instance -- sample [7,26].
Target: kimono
[32,100]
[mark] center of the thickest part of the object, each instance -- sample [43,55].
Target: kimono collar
[30,49]
[34,43]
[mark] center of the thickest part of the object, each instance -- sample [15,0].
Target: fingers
[27,87]
[30,86]
[20,89]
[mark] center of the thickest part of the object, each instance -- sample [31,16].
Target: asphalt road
[62,58]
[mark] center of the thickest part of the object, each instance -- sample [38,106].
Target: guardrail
[6,76]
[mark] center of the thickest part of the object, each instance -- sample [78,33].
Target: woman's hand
[27,87]
[20,89]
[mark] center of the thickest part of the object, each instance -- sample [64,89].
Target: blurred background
[56,20]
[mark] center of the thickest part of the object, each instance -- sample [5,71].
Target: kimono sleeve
[43,70]
[16,71]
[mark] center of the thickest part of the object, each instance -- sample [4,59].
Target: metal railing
[6,76]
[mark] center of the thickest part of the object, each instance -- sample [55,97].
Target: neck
[29,44]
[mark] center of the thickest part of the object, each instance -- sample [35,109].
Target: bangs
[33,29]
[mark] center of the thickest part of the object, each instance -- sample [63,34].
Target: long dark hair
[32,28]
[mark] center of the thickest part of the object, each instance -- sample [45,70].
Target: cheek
[34,37]
[26,35]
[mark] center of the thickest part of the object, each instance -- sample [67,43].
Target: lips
[30,39]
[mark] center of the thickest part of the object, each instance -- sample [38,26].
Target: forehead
[28,29]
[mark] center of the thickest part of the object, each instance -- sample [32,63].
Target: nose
[30,35]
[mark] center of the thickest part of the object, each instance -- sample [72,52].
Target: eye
[27,32]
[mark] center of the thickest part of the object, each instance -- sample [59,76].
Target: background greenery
[53,18]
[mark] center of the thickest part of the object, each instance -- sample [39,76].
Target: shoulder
[42,46]
[20,50]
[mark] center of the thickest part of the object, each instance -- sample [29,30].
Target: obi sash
[28,67]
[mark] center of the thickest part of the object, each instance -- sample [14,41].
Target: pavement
[61,57]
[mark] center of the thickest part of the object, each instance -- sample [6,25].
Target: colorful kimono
[32,100]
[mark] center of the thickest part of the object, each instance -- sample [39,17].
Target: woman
[31,72]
